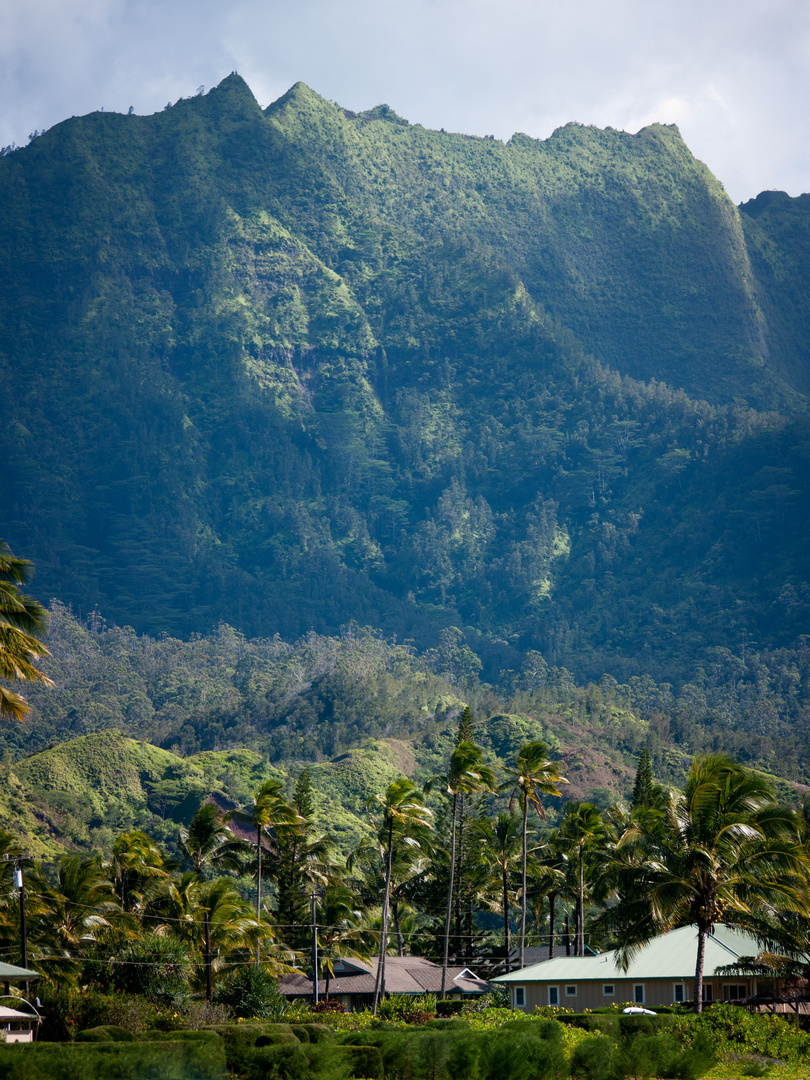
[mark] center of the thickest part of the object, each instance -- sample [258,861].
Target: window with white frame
[570,991]
[520,997]
[638,993]
[708,994]
[554,995]
[735,991]
[608,989]
[679,992]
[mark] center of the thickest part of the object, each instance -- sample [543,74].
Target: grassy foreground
[724,1043]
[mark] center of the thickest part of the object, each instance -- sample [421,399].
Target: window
[679,992]
[570,991]
[608,990]
[708,996]
[554,995]
[735,991]
[638,993]
[520,997]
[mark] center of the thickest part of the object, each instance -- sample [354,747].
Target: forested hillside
[289,368]
[138,730]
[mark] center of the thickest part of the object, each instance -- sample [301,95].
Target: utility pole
[314,949]
[19,883]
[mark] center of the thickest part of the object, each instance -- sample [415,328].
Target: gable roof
[671,955]
[403,975]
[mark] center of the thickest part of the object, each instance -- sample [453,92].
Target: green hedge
[449,1049]
[112,1061]
[240,1039]
[156,1035]
[318,1033]
[105,1033]
[615,1024]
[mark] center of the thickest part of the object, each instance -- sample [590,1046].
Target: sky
[734,75]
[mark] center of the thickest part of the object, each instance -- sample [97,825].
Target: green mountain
[293,367]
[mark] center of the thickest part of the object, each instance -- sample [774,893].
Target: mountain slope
[292,367]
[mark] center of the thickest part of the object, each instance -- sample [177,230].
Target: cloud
[734,76]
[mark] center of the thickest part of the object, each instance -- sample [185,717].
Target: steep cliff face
[298,366]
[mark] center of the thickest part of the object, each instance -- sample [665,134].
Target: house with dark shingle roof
[353,981]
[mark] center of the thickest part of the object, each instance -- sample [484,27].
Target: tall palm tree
[341,925]
[585,831]
[467,775]
[532,775]
[501,842]
[213,917]
[22,622]
[409,870]
[136,868]
[723,850]
[401,815]
[267,812]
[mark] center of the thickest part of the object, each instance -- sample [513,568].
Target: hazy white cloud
[733,74]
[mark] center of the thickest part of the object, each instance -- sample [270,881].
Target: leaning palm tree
[467,775]
[532,775]
[22,622]
[723,850]
[207,841]
[398,817]
[267,812]
[136,868]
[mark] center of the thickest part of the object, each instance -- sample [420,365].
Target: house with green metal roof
[10,973]
[661,973]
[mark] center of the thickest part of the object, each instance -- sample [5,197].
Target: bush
[597,1059]
[364,1061]
[240,1040]
[647,1025]
[277,1063]
[449,1007]
[730,1027]
[318,1033]
[65,1012]
[411,1008]
[497,999]
[156,1035]
[662,1055]
[105,1033]
[605,1024]
[448,1023]
[251,992]
[521,1055]
[112,1061]
[277,1038]
[155,967]
[328,1005]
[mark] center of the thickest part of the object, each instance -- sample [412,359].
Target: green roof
[8,972]
[670,956]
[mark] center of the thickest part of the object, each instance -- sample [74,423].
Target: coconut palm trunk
[523,885]
[449,900]
[505,887]
[379,984]
[701,952]
[209,986]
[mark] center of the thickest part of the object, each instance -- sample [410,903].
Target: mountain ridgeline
[292,367]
